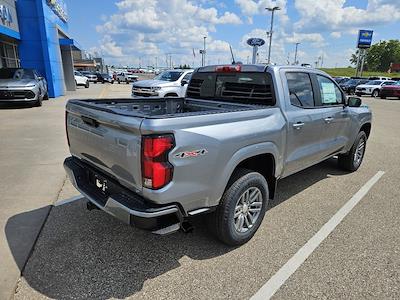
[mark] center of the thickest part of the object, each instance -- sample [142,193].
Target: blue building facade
[42,39]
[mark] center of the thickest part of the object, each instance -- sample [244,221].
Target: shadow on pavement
[82,254]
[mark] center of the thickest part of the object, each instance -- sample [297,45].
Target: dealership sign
[364,39]
[59,8]
[5,14]
[255,42]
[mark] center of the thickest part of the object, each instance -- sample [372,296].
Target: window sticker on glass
[328,92]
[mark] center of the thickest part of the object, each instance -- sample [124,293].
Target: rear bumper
[122,203]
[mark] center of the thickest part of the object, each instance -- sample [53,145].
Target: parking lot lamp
[272,10]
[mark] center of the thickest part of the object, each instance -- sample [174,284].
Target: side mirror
[354,101]
[184,82]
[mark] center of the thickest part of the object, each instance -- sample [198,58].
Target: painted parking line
[69,200]
[283,274]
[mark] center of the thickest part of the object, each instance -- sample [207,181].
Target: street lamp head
[273,8]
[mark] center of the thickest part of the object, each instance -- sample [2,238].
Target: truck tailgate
[107,141]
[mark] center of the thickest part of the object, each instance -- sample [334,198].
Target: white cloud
[333,15]
[155,27]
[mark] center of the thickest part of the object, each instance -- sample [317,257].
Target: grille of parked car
[10,94]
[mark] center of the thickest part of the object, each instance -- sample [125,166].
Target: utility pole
[295,54]
[272,10]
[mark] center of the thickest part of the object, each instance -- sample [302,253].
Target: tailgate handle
[90,121]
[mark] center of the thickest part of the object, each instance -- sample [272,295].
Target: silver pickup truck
[219,151]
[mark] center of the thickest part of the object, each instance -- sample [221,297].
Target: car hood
[368,86]
[391,87]
[154,83]
[6,83]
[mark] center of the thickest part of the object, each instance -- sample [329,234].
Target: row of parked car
[83,78]
[374,86]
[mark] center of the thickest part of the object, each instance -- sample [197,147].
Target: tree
[380,55]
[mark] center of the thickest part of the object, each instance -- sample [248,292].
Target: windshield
[169,76]
[374,82]
[16,74]
[351,81]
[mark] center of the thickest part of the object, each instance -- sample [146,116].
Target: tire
[236,231]
[127,81]
[87,84]
[112,82]
[375,93]
[38,102]
[383,97]
[349,161]
[119,81]
[46,96]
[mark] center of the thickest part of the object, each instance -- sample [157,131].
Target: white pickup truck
[126,77]
[172,83]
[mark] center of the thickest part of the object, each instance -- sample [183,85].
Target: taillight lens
[156,170]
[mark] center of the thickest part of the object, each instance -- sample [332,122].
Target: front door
[305,123]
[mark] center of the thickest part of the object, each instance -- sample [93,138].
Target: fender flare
[241,155]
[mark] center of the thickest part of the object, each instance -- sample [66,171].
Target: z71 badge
[193,153]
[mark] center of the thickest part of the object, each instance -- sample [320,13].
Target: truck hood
[154,83]
[9,83]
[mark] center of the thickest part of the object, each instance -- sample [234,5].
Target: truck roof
[256,67]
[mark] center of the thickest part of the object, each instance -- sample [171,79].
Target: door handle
[298,125]
[328,120]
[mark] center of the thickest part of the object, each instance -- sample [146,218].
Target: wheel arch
[262,158]
[366,128]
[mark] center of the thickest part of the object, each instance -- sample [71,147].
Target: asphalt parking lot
[81,254]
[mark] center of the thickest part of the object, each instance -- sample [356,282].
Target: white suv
[172,83]
[81,80]
[372,87]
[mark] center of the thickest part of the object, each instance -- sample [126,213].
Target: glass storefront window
[9,55]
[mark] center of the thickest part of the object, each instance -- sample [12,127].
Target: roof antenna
[233,58]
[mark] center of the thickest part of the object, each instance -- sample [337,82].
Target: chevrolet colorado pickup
[219,151]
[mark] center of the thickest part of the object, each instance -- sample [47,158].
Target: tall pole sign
[364,41]
[255,43]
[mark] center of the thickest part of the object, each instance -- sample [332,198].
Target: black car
[104,77]
[350,86]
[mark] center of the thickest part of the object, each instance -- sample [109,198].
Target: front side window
[300,89]
[330,93]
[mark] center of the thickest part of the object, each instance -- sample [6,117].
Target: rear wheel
[375,93]
[46,96]
[353,159]
[242,208]
[87,84]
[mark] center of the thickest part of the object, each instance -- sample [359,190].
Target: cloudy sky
[130,32]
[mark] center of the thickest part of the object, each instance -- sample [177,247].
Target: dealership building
[34,34]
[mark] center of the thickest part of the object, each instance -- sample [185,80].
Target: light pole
[272,10]
[295,54]
[203,57]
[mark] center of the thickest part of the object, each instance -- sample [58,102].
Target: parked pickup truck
[219,151]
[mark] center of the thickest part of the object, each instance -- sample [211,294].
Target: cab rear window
[248,88]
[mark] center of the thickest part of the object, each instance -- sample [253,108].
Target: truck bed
[162,107]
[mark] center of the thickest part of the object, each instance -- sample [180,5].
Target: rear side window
[300,89]
[248,88]
[330,93]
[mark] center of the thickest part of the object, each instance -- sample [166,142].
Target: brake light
[156,170]
[229,69]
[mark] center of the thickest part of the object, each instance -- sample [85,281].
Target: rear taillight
[156,170]
[228,69]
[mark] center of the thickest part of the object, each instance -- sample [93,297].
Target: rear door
[336,115]
[305,122]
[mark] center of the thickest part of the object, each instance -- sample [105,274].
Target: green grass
[352,72]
